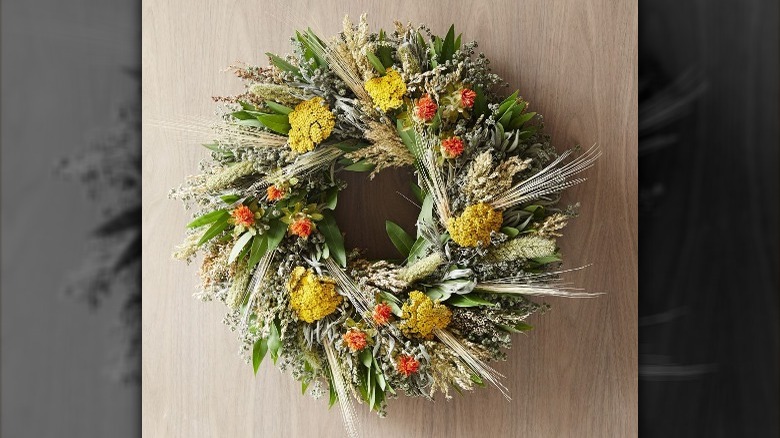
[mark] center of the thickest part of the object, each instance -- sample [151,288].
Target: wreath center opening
[365,205]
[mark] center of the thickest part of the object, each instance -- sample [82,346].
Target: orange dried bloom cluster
[275,193]
[355,339]
[407,365]
[467,97]
[426,108]
[452,147]
[242,215]
[302,227]
[382,313]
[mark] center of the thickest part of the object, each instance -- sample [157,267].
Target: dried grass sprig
[385,151]
[482,369]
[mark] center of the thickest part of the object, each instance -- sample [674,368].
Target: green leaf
[275,122]
[419,247]
[448,46]
[480,102]
[307,40]
[393,302]
[239,246]
[402,241]
[308,53]
[274,342]
[366,357]
[217,227]
[247,106]
[518,328]
[418,192]
[547,259]
[360,166]
[371,391]
[525,223]
[384,53]
[275,234]
[258,353]
[396,309]
[436,122]
[278,108]
[507,103]
[331,198]
[504,120]
[333,238]
[510,231]
[470,300]
[254,123]
[426,212]
[435,49]
[407,137]
[334,396]
[230,199]
[436,294]
[527,133]
[380,376]
[519,121]
[389,298]
[376,63]
[283,65]
[208,218]
[534,208]
[258,250]
[242,115]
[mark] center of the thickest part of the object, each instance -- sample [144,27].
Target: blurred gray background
[64,73]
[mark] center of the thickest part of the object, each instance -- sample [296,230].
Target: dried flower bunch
[488,186]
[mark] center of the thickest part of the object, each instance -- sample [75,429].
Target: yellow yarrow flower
[422,316]
[312,297]
[387,91]
[311,123]
[474,225]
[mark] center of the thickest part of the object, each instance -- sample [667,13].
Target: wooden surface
[575,375]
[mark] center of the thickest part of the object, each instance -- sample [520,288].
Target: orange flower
[452,147]
[355,340]
[275,193]
[467,97]
[407,365]
[382,313]
[426,108]
[302,227]
[243,216]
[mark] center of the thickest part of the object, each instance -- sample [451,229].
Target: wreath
[488,184]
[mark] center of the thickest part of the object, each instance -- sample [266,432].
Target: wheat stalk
[551,179]
[348,413]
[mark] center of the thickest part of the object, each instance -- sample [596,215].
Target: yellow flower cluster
[474,225]
[312,297]
[422,316]
[311,123]
[387,91]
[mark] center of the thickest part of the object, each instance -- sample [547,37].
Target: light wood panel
[575,375]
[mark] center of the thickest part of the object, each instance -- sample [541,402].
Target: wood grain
[576,375]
